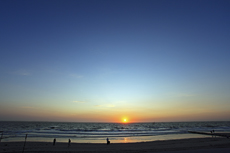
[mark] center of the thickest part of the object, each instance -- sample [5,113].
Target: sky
[107,60]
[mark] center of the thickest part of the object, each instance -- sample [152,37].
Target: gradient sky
[103,60]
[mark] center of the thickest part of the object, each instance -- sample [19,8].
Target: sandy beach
[192,145]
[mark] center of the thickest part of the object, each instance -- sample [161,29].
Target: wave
[101,130]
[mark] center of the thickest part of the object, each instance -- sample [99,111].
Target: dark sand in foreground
[183,145]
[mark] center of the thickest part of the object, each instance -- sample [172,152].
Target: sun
[124,120]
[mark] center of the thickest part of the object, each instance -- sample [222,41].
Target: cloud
[79,101]
[184,95]
[21,72]
[181,95]
[110,105]
[27,107]
[76,76]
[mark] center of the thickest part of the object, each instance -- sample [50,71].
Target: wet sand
[192,145]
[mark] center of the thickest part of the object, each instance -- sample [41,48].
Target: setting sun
[125,120]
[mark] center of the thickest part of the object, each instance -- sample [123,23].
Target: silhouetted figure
[108,142]
[54,142]
[69,143]
[1,136]
[213,133]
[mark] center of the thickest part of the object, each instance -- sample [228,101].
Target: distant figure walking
[54,142]
[108,142]
[213,133]
[69,143]
[1,136]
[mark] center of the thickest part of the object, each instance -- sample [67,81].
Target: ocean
[99,132]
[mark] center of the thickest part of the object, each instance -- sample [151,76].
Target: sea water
[98,132]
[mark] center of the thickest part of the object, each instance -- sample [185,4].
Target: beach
[169,137]
[218,144]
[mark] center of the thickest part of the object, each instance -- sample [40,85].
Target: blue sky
[85,60]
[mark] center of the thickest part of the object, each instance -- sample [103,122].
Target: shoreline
[153,146]
[134,139]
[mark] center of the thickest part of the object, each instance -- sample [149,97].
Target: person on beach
[1,136]
[69,143]
[108,142]
[54,142]
[212,132]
